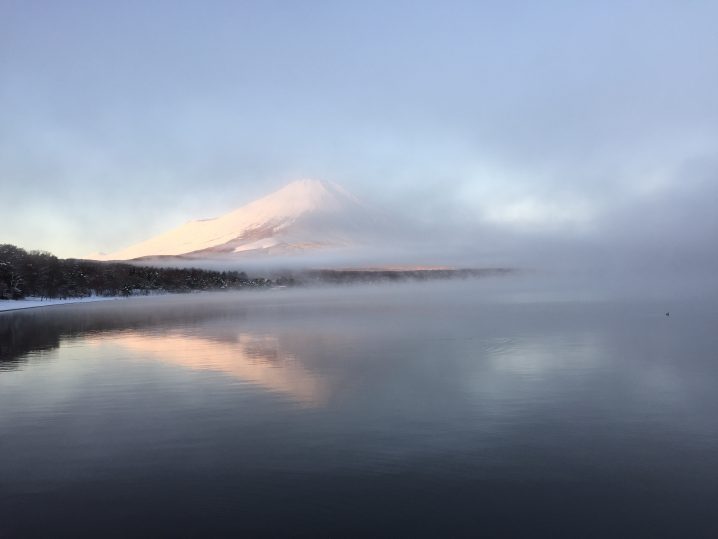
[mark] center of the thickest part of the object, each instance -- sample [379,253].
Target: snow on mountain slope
[306,214]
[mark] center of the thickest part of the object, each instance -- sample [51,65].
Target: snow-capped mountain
[304,215]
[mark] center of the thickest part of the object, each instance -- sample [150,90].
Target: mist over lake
[432,409]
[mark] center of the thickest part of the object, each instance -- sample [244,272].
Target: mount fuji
[303,216]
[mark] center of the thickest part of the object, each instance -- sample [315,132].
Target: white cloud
[535,213]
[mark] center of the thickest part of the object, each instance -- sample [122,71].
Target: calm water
[411,411]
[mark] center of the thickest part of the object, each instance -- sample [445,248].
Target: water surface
[391,411]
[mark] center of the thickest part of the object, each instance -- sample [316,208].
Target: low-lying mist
[588,266]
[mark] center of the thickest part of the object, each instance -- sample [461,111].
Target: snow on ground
[29,303]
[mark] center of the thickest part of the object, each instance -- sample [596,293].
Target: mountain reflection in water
[256,359]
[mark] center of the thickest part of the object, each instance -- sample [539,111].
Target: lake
[417,410]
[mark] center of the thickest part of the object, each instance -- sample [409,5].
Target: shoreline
[11,305]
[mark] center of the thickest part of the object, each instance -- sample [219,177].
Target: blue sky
[119,120]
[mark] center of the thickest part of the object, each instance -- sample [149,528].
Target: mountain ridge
[302,216]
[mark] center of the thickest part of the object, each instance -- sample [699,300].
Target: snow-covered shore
[29,303]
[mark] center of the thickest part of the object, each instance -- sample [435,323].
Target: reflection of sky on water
[336,349]
[541,355]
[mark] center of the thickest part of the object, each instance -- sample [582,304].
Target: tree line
[41,274]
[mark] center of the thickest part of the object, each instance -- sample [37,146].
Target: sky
[594,123]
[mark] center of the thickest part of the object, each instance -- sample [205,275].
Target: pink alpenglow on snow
[302,216]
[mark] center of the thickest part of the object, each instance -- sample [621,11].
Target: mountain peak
[308,184]
[305,212]
[302,196]
[312,187]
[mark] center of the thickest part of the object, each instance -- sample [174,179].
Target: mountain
[304,215]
